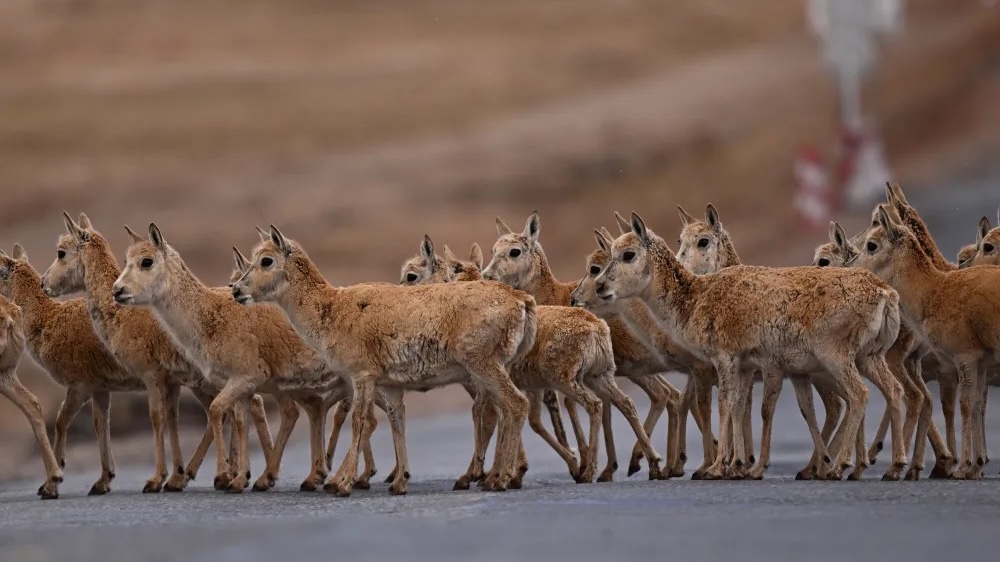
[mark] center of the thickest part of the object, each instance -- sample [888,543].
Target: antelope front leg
[772,388]
[198,457]
[28,403]
[391,402]
[70,407]
[702,412]
[339,417]
[100,404]
[316,409]
[948,387]
[235,389]
[607,475]
[364,389]
[171,407]
[658,399]
[535,423]
[289,416]
[820,461]
[968,372]
[607,389]
[363,482]
[484,420]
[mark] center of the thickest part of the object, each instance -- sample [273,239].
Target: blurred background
[359,126]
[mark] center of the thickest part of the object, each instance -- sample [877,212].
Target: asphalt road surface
[550,519]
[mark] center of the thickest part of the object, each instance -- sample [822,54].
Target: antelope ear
[449,255]
[502,228]
[623,225]
[476,255]
[532,228]
[892,229]
[264,235]
[602,242]
[74,229]
[686,217]
[19,254]
[242,264]
[280,241]
[639,228]
[837,235]
[712,217]
[84,222]
[897,193]
[427,252]
[133,238]
[982,231]
[156,237]
[607,234]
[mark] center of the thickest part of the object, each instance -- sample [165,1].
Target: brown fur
[790,319]
[570,348]
[12,343]
[956,311]
[84,262]
[403,336]
[706,247]
[641,347]
[241,350]
[62,341]
[520,261]
[911,364]
[317,405]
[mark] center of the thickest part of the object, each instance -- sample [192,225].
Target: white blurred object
[862,168]
[814,199]
[848,31]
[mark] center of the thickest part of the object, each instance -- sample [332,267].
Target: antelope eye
[628,256]
[146,263]
[411,277]
[823,262]
[871,247]
[987,248]
[266,262]
[703,243]
[457,269]
[595,270]
[514,252]
[61,254]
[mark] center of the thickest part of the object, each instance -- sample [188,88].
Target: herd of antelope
[884,305]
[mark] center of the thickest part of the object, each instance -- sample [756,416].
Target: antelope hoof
[49,491]
[99,489]
[177,483]
[152,487]
[516,482]
[221,481]
[362,484]
[634,465]
[913,473]
[606,475]
[805,475]
[943,468]
[462,483]
[308,485]
[398,488]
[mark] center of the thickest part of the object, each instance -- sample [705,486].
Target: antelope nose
[572,301]
[600,287]
[236,291]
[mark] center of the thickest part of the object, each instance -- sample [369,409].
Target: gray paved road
[551,518]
